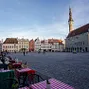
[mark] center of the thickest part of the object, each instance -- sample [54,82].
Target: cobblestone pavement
[70,68]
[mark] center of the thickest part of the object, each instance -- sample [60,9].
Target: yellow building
[23,44]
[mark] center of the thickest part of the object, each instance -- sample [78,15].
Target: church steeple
[70,21]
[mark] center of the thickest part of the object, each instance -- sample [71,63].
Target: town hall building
[77,39]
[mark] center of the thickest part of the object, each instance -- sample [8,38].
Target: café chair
[33,78]
[22,80]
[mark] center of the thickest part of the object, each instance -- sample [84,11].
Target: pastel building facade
[45,46]
[31,45]
[37,46]
[51,45]
[10,45]
[56,45]
[23,45]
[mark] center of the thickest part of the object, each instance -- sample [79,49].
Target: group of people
[24,53]
[43,51]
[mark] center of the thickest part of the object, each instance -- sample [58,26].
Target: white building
[45,46]
[37,45]
[49,45]
[78,39]
[23,44]
[56,45]
[10,45]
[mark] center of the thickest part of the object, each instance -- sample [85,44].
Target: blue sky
[40,18]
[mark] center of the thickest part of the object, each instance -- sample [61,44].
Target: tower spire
[70,21]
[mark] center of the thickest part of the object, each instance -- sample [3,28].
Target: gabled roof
[78,31]
[37,39]
[23,39]
[55,41]
[43,41]
[31,40]
[11,41]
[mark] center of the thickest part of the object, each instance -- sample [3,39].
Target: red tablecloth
[12,61]
[54,84]
[16,65]
[20,72]
[19,63]
[23,72]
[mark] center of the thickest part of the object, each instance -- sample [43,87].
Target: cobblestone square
[70,68]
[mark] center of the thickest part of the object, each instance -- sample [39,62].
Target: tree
[23,49]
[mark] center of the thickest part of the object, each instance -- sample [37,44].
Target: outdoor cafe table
[17,65]
[54,84]
[4,74]
[24,72]
[12,61]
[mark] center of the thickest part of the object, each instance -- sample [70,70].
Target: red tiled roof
[55,41]
[11,41]
[43,41]
[31,40]
[78,31]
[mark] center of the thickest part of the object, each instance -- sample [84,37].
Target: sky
[41,18]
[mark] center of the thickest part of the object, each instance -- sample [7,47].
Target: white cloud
[56,30]
[80,9]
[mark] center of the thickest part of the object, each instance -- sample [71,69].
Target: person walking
[24,53]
